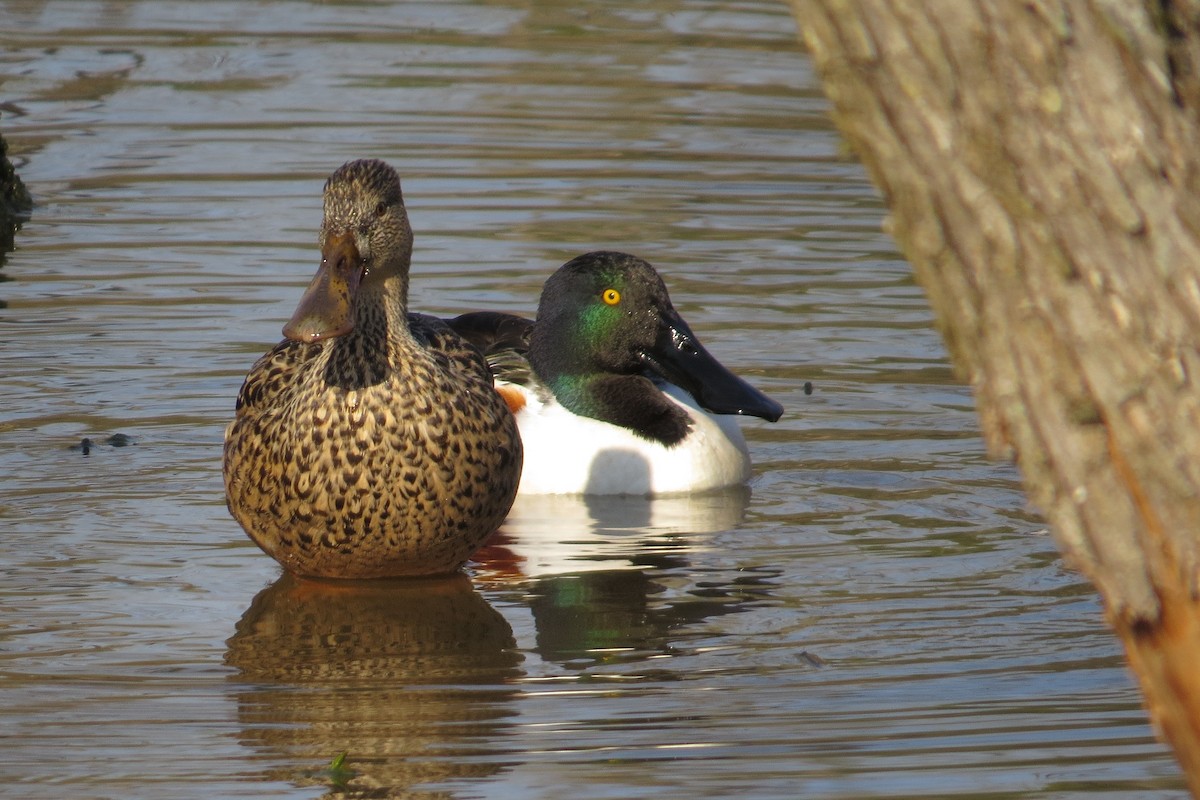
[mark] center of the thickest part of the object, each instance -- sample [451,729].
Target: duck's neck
[366,356]
[392,298]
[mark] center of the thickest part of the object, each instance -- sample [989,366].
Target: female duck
[370,442]
[613,396]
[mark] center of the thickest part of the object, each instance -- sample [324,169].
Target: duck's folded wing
[502,338]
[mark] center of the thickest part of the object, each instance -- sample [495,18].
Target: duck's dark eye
[381,208]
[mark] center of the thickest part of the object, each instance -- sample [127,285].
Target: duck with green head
[613,392]
[370,442]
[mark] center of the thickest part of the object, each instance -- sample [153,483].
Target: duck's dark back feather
[503,339]
[492,330]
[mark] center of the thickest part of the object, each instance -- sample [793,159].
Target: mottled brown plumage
[371,442]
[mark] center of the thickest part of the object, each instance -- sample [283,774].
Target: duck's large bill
[327,307]
[678,357]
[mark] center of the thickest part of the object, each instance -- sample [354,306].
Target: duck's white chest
[569,454]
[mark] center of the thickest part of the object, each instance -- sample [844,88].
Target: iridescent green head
[607,314]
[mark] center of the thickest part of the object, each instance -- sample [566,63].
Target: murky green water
[878,616]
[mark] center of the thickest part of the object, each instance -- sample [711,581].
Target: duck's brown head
[366,247]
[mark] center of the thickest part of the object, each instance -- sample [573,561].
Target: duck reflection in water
[377,669]
[594,567]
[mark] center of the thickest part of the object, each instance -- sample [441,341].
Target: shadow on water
[405,677]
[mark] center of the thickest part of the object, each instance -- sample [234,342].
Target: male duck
[616,400]
[371,442]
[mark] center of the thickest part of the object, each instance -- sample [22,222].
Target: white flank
[569,454]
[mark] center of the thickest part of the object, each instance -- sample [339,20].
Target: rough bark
[1041,165]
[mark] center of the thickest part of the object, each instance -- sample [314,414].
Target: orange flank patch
[514,397]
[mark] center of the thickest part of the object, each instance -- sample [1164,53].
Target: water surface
[877,615]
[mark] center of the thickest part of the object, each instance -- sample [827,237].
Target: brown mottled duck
[370,442]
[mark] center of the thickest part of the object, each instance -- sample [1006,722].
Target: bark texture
[1041,164]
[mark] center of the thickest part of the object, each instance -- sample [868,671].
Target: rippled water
[879,615]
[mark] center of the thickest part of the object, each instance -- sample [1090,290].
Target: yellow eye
[611,296]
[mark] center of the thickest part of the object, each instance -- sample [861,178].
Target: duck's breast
[569,454]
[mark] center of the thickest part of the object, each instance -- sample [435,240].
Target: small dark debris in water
[812,659]
[808,387]
[116,440]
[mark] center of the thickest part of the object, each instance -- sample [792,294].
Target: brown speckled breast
[376,454]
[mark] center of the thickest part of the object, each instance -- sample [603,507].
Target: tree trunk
[1041,163]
